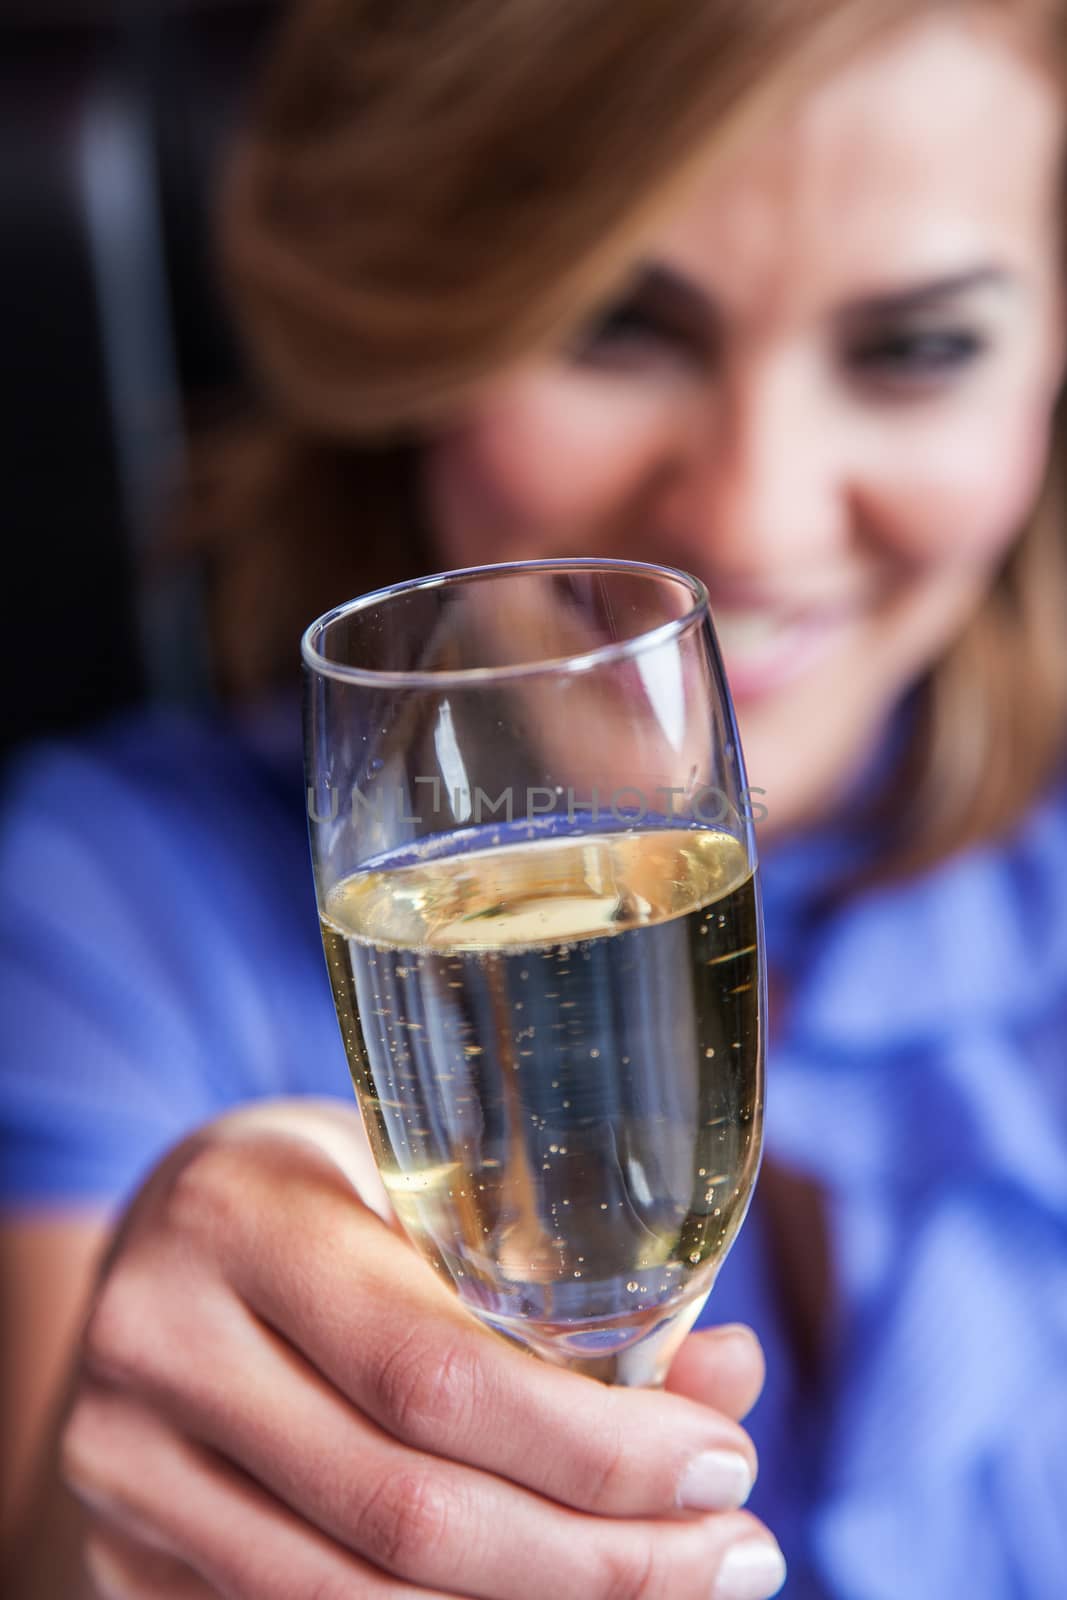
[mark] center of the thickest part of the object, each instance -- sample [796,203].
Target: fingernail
[718,1480]
[732,1330]
[753,1570]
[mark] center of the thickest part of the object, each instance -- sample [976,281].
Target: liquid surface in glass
[555,1043]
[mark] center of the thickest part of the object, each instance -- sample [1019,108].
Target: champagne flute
[537,881]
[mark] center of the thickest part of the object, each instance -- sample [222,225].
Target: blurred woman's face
[828,394]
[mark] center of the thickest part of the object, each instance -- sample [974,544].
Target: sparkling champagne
[556,1044]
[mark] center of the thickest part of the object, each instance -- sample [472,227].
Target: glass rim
[601,655]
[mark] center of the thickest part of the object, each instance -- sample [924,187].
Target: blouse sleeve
[158,956]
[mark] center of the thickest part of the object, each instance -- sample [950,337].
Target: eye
[629,332]
[915,359]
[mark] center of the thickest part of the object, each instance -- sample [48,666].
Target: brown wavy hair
[428,190]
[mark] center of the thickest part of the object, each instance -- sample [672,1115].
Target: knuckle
[118,1331]
[631,1573]
[86,1462]
[404,1522]
[428,1392]
[204,1197]
[604,1476]
[77,1448]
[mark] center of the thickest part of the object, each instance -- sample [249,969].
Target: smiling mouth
[765,651]
[764,646]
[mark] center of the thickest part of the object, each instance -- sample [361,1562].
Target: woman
[773,293]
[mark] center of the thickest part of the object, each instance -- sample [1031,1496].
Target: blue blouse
[160,961]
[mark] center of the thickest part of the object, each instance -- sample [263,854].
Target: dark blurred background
[114,117]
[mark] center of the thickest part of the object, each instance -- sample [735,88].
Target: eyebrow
[662,287]
[668,290]
[915,297]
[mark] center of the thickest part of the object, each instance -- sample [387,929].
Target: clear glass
[537,878]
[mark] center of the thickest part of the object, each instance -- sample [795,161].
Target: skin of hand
[277,1396]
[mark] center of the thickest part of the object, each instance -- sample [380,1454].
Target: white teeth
[746,630]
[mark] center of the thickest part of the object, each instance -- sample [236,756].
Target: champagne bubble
[453,1090]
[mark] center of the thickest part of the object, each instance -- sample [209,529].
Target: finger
[722,1368]
[447,1386]
[436,1522]
[184,1501]
[336,1130]
[122,1568]
[154,1491]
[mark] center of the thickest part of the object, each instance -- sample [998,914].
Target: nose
[765,490]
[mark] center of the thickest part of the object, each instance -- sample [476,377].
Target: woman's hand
[279,1400]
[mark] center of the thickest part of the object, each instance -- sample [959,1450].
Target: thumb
[720,1367]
